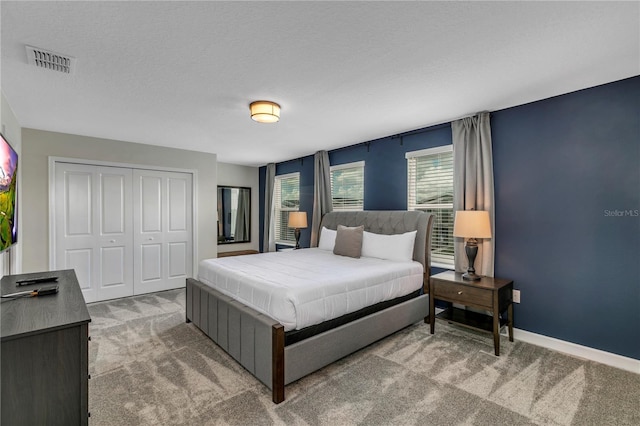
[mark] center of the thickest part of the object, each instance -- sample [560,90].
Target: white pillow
[397,247]
[327,239]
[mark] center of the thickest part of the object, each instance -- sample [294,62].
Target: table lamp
[297,220]
[471,224]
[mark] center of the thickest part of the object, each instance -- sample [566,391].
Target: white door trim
[52,182]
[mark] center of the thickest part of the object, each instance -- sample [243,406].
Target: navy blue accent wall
[563,167]
[305,167]
[385,172]
[567,181]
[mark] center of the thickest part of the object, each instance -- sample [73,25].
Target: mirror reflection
[234,214]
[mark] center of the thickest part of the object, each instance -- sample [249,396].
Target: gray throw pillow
[349,241]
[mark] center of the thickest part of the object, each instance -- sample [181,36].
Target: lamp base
[471,276]
[471,248]
[297,234]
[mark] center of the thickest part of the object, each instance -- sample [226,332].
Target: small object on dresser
[42,291]
[36,280]
[47,290]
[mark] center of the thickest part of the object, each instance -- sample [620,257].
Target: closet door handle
[112,241]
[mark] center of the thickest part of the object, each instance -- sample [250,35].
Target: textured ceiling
[182,74]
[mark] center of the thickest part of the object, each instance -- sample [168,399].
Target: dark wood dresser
[44,354]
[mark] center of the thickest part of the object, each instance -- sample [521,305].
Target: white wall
[234,175]
[38,145]
[13,133]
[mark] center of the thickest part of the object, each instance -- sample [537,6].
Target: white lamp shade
[297,219]
[472,224]
[265,111]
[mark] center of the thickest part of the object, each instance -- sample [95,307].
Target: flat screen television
[8,178]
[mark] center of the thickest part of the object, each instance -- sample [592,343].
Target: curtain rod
[367,144]
[419,131]
[396,136]
[300,159]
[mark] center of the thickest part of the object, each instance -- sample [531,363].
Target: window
[286,199]
[347,186]
[430,189]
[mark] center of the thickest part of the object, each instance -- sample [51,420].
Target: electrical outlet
[516,296]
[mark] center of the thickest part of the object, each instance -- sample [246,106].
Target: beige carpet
[149,367]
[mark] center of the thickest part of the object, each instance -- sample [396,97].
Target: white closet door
[93,227]
[162,212]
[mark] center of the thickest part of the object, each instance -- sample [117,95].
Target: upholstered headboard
[390,222]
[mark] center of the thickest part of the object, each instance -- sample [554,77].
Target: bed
[277,357]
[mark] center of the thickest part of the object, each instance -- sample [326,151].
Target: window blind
[347,186]
[286,199]
[430,189]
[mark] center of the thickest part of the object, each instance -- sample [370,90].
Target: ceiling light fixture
[265,111]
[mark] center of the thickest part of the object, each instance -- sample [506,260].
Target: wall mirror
[234,214]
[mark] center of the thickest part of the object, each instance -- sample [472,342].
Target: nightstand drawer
[463,294]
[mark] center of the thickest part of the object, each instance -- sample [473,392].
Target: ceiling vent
[50,60]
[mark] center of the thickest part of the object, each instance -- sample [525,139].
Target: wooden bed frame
[257,341]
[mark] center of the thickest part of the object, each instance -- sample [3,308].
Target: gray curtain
[269,238]
[242,216]
[473,185]
[322,202]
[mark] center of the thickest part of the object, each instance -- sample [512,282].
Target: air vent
[50,60]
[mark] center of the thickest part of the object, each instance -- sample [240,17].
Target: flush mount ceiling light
[265,111]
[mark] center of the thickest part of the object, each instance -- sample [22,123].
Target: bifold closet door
[162,212]
[93,228]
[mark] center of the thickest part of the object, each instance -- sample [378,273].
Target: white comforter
[300,288]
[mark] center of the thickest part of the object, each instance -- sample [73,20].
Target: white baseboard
[608,358]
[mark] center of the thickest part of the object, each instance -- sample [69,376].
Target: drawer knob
[459,292]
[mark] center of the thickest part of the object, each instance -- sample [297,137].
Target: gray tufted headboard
[390,222]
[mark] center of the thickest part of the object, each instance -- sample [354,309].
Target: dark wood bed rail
[278,363]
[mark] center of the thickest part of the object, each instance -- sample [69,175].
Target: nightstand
[491,294]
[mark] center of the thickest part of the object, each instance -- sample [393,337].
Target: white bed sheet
[300,288]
